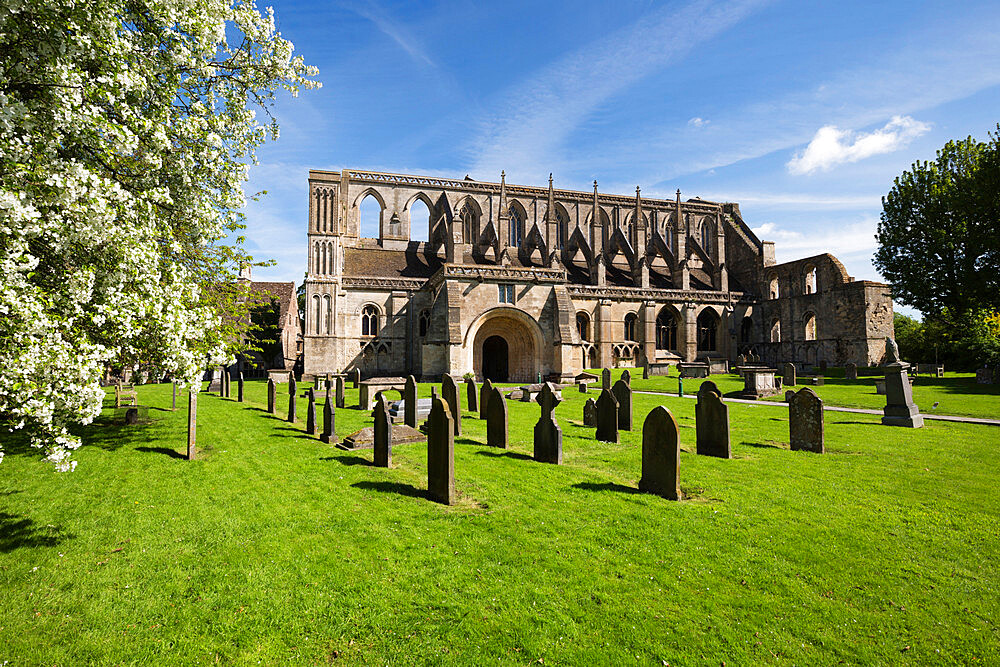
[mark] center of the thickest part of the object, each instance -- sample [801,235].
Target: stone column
[602,333]
[647,317]
[689,344]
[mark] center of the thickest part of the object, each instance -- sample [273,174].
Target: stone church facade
[517,282]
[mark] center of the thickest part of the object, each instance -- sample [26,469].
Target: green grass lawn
[275,548]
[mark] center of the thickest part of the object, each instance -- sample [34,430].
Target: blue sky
[802,112]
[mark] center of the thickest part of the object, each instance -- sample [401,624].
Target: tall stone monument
[440,452]
[548,435]
[805,421]
[496,420]
[661,455]
[899,410]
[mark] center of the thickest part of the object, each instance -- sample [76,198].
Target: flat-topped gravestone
[329,419]
[900,410]
[485,394]
[272,398]
[239,388]
[449,392]
[383,433]
[340,392]
[365,438]
[607,417]
[590,412]
[661,455]
[440,452]
[496,420]
[623,394]
[606,378]
[805,421]
[291,399]
[311,428]
[693,369]
[548,435]
[471,395]
[397,411]
[788,374]
[712,423]
[851,371]
[372,386]
[410,402]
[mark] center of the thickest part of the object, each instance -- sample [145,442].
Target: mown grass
[274,547]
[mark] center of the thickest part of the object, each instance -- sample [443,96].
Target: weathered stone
[607,417]
[223,375]
[496,420]
[805,421]
[329,384]
[900,410]
[590,412]
[365,438]
[694,369]
[329,422]
[712,423]
[471,395]
[383,433]
[758,382]
[485,394]
[410,402]
[645,371]
[192,424]
[272,399]
[623,394]
[661,455]
[606,378]
[131,416]
[788,377]
[708,386]
[356,377]
[626,377]
[372,386]
[239,388]
[582,387]
[449,392]
[291,400]
[788,395]
[851,371]
[548,435]
[340,393]
[311,428]
[440,452]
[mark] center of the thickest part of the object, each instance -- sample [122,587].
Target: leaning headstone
[471,395]
[606,378]
[788,374]
[272,405]
[192,424]
[661,455]
[410,402]
[851,371]
[712,424]
[590,413]
[623,394]
[607,417]
[805,421]
[440,452]
[311,414]
[291,399]
[449,392]
[383,433]
[900,410]
[496,420]
[356,377]
[329,422]
[239,388]
[485,394]
[548,435]
[341,401]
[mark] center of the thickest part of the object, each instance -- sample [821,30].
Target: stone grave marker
[291,398]
[485,394]
[383,433]
[223,376]
[410,402]
[788,374]
[582,386]
[645,371]
[471,395]
[661,455]
[272,405]
[805,421]
[329,384]
[440,452]
[851,371]
[712,423]
[355,378]
[496,420]
[900,410]
[449,392]
[192,424]
[606,378]
[329,422]
[708,386]
[623,394]
[311,414]
[341,390]
[548,435]
[590,413]
[626,377]
[607,417]
[239,388]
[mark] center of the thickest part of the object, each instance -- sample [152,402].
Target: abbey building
[516,282]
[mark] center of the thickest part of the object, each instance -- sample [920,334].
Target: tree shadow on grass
[505,453]
[606,486]
[348,460]
[17,532]
[392,487]
[162,450]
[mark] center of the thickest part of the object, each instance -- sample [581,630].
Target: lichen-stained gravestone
[383,433]
[712,422]
[410,402]
[272,398]
[661,455]
[341,390]
[606,378]
[623,394]
[607,417]
[548,435]
[329,422]
[485,394]
[449,392]
[440,452]
[590,413]
[788,375]
[496,420]
[291,399]
[471,395]
[805,421]
[311,414]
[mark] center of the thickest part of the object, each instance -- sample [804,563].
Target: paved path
[836,408]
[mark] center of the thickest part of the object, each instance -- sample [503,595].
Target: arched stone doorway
[506,337]
[495,362]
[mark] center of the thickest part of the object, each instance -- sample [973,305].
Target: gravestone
[356,377]
[311,414]
[223,375]
[606,379]
[341,390]
[383,433]
[851,371]
[449,392]
[623,394]
[788,374]
[645,371]
[712,423]
[471,395]
[590,413]
[607,417]
[708,386]
[410,402]
[805,421]
[788,395]
[661,455]
[192,424]
[329,384]
[582,386]
[329,422]
[291,399]
[496,420]
[272,405]
[131,416]
[485,394]
[440,452]
[626,377]
[900,410]
[548,435]
[239,388]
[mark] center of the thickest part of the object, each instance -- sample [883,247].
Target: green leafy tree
[910,338]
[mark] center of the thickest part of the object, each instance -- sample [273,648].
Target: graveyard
[275,546]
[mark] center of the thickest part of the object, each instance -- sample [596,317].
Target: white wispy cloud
[832,146]
[698,122]
[796,199]
[844,241]
[392,29]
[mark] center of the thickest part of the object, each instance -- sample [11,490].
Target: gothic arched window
[583,326]
[470,233]
[424,323]
[706,235]
[708,325]
[516,225]
[369,321]
[666,330]
[630,322]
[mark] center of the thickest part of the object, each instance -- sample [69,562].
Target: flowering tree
[126,132]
